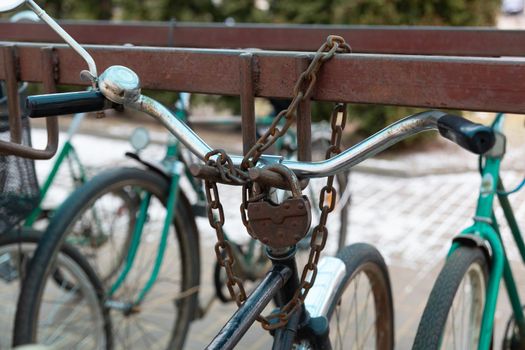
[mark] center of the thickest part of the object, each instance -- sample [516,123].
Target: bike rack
[414,40]
[12,71]
[449,82]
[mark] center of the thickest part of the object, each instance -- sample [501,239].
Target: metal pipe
[13,103]
[419,40]
[354,155]
[179,129]
[64,35]
[368,148]
[484,84]
[247,101]
[244,317]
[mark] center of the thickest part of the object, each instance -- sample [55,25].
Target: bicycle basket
[19,191]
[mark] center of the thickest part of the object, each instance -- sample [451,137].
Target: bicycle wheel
[162,318]
[86,323]
[452,316]
[360,310]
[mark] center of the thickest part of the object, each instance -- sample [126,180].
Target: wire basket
[19,190]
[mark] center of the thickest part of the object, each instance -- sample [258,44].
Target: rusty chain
[229,174]
[302,91]
[327,202]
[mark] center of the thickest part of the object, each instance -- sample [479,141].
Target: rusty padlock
[285,224]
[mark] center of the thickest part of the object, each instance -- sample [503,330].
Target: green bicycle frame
[66,152]
[486,227]
[175,169]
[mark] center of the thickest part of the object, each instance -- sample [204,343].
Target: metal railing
[418,40]
[465,83]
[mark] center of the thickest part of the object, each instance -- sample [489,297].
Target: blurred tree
[85,9]
[188,10]
[386,12]
[394,12]
[243,11]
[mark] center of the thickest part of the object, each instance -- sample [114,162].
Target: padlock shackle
[288,175]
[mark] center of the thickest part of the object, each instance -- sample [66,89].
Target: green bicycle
[460,310]
[22,200]
[67,155]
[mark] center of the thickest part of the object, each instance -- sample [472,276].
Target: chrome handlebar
[352,156]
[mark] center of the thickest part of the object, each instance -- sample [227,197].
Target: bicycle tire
[463,262]
[108,182]
[15,250]
[360,260]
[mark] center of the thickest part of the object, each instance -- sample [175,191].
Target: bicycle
[22,212]
[20,196]
[304,307]
[117,205]
[475,265]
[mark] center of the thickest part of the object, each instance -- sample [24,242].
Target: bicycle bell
[120,84]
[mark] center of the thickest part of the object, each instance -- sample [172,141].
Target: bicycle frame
[280,284]
[175,168]
[66,152]
[486,227]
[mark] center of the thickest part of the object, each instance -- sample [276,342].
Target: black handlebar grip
[66,103]
[471,136]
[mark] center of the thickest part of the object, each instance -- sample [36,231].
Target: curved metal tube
[64,35]
[354,155]
[369,147]
[178,128]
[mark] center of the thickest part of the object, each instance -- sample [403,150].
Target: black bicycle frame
[280,284]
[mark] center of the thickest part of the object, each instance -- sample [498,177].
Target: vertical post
[49,70]
[49,79]
[247,101]
[13,104]
[304,122]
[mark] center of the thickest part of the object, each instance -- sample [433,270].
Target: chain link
[302,91]
[319,233]
[223,250]
[229,174]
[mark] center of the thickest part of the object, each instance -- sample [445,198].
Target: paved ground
[408,214]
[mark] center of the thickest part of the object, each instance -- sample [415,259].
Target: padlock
[285,224]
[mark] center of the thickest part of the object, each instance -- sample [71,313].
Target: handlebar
[471,136]
[66,103]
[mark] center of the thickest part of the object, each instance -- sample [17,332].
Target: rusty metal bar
[48,63]
[304,120]
[247,101]
[11,82]
[485,84]
[458,41]
[49,78]
[267,178]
